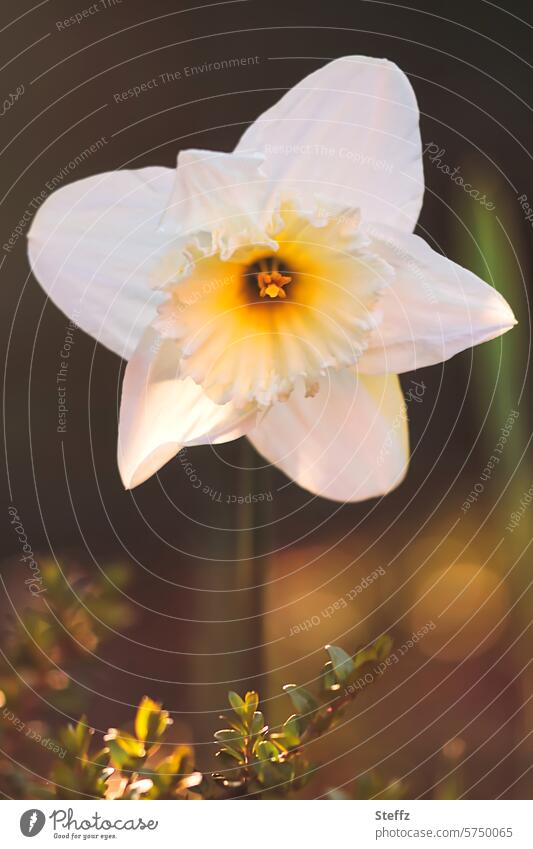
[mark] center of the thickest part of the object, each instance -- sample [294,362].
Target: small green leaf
[238,705]
[329,679]
[228,758]
[304,703]
[280,742]
[383,647]
[235,724]
[228,735]
[278,776]
[76,738]
[125,751]
[376,652]
[342,663]
[150,721]
[232,742]
[258,724]
[171,771]
[101,758]
[235,700]
[252,703]
[291,731]
[265,751]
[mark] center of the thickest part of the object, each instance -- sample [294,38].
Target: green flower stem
[238,566]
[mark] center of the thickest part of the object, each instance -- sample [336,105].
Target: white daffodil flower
[276,291]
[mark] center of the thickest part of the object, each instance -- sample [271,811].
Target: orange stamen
[271,283]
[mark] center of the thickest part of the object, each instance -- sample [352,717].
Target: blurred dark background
[211,607]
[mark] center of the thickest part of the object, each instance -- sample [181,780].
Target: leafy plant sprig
[252,760]
[49,645]
[127,766]
[255,761]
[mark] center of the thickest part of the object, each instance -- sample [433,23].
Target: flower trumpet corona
[274,292]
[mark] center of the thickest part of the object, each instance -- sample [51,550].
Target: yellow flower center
[271,283]
[251,327]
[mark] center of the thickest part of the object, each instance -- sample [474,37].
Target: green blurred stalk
[502,365]
[233,578]
[490,246]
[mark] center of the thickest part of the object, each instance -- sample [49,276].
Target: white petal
[350,131]
[348,443]
[433,309]
[223,194]
[92,245]
[160,414]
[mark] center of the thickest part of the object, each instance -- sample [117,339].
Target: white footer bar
[357,824]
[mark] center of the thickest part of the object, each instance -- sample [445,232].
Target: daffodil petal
[433,308]
[348,131]
[91,247]
[225,195]
[160,413]
[348,443]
